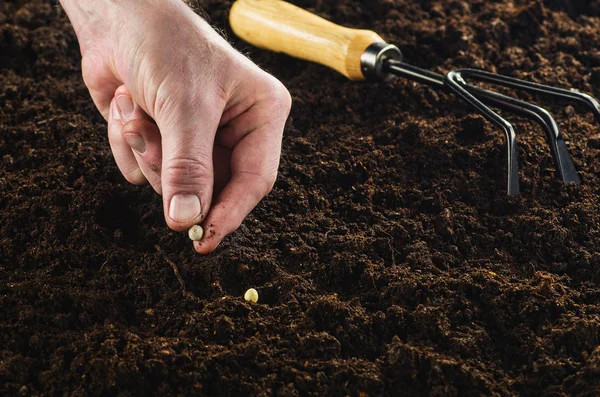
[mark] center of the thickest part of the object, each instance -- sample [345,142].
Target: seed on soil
[196,232]
[251,295]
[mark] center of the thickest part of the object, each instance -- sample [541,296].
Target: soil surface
[388,259]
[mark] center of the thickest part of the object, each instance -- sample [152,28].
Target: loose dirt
[388,259]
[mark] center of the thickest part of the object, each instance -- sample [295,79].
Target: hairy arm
[94,19]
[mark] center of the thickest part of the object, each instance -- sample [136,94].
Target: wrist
[90,19]
[95,20]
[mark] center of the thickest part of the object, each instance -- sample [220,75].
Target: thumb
[187,168]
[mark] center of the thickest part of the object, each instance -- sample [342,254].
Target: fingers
[232,206]
[122,153]
[184,162]
[142,137]
[187,161]
[254,163]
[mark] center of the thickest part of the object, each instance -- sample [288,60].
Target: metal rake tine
[479,97]
[495,118]
[564,164]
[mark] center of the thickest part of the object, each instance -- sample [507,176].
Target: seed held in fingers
[251,295]
[196,232]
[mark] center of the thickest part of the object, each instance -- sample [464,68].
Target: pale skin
[186,112]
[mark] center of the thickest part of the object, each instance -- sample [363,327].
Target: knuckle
[268,179]
[135,177]
[171,94]
[122,90]
[175,95]
[90,62]
[132,127]
[264,182]
[177,102]
[186,172]
[286,99]
[164,103]
[279,96]
[270,182]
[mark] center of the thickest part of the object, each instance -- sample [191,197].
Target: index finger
[254,164]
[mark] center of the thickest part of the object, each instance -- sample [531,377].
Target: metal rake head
[481,99]
[477,97]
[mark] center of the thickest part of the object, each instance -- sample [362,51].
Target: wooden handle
[282,27]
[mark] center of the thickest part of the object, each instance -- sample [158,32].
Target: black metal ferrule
[373,58]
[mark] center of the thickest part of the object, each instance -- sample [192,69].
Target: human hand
[205,124]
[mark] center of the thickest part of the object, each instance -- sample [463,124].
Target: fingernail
[125,105]
[184,207]
[136,142]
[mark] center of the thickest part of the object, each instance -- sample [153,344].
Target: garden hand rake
[363,55]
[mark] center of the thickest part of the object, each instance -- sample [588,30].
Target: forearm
[82,11]
[86,14]
[93,19]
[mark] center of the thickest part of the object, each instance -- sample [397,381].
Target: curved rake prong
[452,81]
[477,96]
[564,164]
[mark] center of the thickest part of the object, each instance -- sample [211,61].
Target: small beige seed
[196,232]
[251,295]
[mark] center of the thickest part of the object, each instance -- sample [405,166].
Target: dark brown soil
[388,258]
